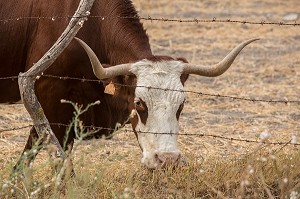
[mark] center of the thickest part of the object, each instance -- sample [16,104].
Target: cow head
[158,99]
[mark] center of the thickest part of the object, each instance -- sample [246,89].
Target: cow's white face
[158,110]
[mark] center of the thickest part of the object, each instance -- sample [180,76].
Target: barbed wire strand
[15,128]
[166,89]
[162,133]
[160,19]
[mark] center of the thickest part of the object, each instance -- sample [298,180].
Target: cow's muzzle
[162,159]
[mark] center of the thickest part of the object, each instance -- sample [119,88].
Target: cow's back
[23,40]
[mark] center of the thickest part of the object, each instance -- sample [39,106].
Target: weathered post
[27,80]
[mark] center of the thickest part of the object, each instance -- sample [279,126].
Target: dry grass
[259,174]
[267,69]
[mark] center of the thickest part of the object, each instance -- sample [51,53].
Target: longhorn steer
[122,45]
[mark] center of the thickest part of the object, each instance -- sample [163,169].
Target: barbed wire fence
[254,100]
[153,19]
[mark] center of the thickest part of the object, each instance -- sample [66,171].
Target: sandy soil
[267,69]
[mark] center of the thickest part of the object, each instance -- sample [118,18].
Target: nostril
[168,157]
[158,159]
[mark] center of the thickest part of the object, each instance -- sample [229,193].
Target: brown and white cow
[122,45]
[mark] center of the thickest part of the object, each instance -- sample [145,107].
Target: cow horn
[99,71]
[217,69]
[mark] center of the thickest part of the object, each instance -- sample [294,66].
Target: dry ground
[267,69]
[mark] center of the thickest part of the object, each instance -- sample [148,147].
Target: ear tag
[110,89]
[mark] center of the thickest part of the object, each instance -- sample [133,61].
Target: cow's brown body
[115,40]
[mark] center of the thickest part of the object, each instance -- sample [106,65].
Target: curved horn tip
[79,40]
[251,40]
[221,67]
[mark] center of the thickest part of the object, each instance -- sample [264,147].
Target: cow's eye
[140,105]
[142,109]
[137,102]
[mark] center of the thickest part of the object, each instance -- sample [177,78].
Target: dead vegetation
[218,168]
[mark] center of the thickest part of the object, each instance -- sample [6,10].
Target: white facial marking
[158,84]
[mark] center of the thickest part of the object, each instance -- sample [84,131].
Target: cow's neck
[125,39]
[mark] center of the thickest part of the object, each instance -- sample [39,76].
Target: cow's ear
[183,77]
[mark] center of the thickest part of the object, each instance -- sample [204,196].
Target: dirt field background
[267,69]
